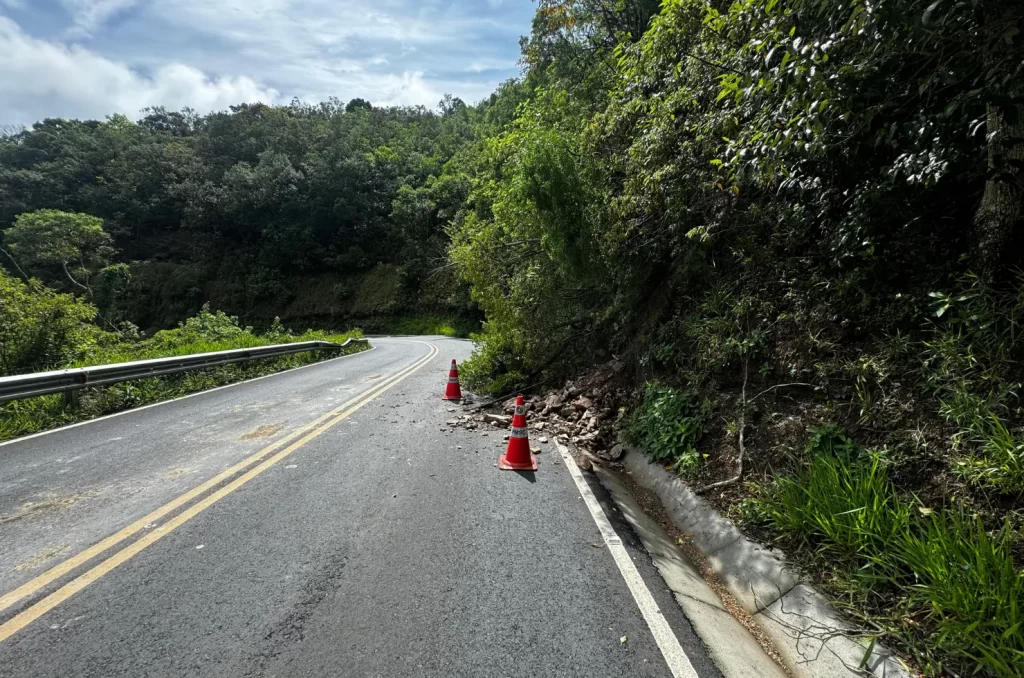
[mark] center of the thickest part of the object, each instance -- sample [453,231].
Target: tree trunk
[998,226]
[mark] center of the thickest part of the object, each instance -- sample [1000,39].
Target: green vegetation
[328,215]
[937,576]
[668,423]
[428,325]
[775,213]
[972,366]
[51,239]
[41,329]
[843,500]
[800,211]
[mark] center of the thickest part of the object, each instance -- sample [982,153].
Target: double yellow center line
[300,436]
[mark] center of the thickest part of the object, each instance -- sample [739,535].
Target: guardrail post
[71,397]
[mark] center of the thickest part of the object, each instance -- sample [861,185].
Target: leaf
[622,640]
[926,17]
[867,653]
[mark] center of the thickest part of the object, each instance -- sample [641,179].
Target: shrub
[973,365]
[427,325]
[496,366]
[41,329]
[668,424]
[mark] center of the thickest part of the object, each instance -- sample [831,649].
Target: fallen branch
[743,425]
[772,388]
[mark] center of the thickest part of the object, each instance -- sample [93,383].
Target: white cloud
[89,15]
[47,79]
[104,56]
[320,22]
[409,89]
[387,51]
[482,65]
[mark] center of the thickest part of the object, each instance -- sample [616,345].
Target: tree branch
[772,388]
[15,262]
[743,425]
[64,265]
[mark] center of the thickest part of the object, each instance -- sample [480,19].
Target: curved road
[317,522]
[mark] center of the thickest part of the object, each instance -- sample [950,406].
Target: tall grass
[846,508]
[938,568]
[965,579]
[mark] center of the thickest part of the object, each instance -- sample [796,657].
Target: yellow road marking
[333,417]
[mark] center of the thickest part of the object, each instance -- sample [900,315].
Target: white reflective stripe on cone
[518,431]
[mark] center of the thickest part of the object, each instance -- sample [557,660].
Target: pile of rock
[586,412]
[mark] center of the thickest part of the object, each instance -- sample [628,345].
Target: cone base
[446,397]
[505,465]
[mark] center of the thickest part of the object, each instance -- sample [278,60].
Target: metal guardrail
[69,382]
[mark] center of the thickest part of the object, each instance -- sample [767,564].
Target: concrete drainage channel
[809,635]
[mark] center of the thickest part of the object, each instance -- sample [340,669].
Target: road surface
[318,522]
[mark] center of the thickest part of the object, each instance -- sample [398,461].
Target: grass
[944,579]
[429,324]
[848,509]
[965,579]
[205,333]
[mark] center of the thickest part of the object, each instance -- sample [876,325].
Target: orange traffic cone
[517,455]
[453,391]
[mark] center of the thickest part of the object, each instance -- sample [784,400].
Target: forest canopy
[260,210]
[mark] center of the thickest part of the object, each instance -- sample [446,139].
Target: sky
[90,58]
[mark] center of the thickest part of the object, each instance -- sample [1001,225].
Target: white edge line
[174,400]
[667,641]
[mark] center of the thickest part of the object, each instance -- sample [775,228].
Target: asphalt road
[318,522]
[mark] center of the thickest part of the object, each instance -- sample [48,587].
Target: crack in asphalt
[291,629]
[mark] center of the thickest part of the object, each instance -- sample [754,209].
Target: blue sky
[90,58]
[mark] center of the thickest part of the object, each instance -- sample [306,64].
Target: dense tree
[853,155]
[253,209]
[76,244]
